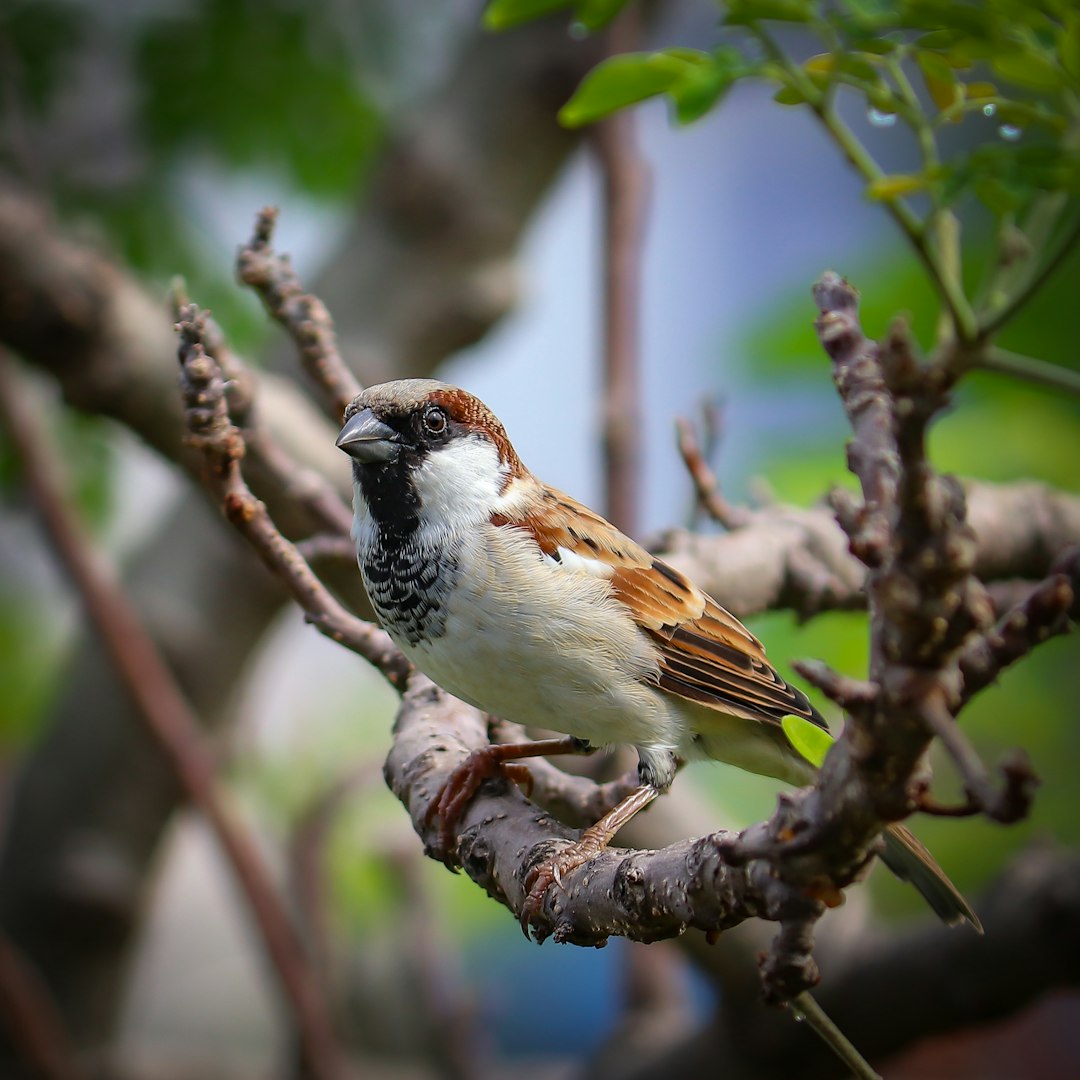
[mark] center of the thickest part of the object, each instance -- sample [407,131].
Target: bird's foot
[592,841]
[551,871]
[459,790]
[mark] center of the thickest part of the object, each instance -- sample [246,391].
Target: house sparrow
[522,602]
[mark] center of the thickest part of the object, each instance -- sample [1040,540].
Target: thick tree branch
[888,991]
[786,557]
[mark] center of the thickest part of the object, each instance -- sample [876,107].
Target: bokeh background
[153,132]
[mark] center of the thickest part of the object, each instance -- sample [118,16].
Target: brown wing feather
[706,655]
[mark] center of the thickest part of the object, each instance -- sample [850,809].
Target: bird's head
[426,451]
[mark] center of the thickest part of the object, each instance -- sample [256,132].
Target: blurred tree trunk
[426,269]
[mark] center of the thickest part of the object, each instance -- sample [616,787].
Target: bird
[519,600]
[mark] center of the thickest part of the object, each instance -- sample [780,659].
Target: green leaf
[1029,70]
[939,39]
[1000,196]
[596,14]
[627,79]
[1069,46]
[894,186]
[810,740]
[503,14]
[704,85]
[940,79]
[789,96]
[742,12]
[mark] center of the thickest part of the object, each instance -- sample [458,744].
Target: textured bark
[785,557]
[887,991]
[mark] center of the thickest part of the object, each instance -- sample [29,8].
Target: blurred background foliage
[211,107]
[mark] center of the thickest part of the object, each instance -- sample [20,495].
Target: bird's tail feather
[909,860]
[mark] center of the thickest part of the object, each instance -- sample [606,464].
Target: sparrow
[522,602]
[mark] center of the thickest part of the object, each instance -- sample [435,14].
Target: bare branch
[223,447]
[1044,613]
[303,315]
[624,178]
[705,483]
[30,1016]
[1007,806]
[170,720]
[644,895]
[888,991]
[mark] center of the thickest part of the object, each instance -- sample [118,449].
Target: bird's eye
[435,420]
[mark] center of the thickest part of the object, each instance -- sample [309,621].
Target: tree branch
[30,1016]
[223,447]
[169,718]
[624,178]
[888,991]
[304,316]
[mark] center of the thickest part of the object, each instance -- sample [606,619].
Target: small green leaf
[940,79]
[1028,70]
[741,12]
[939,39]
[822,64]
[810,740]
[893,187]
[704,85]
[596,14]
[863,66]
[876,46]
[998,195]
[503,14]
[627,79]
[979,91]
[1069,47]
[789,96]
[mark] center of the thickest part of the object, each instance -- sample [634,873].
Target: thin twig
[624,184]
[223,446]
[33,1023]
[1033,283]
[1007,362]
[172,723]
[307,855]
[327,546]
[1013,802]
[303,315]
[948,287]
[806,1008]
[1043,613]
[705,483]
[303,486]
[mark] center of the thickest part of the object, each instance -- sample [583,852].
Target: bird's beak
[368,440]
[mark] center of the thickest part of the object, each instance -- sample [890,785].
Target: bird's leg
[483,764]
[591,842]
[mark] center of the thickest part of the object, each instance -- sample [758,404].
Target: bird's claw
[550,872]
[453,798]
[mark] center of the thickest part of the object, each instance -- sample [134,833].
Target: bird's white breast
[546,645]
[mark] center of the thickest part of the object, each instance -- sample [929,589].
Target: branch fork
[932,648]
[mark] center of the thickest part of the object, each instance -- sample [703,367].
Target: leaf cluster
[927,63]
[1004,74]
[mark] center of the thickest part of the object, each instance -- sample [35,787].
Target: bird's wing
[705,654]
